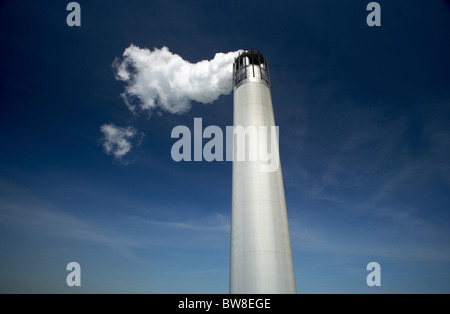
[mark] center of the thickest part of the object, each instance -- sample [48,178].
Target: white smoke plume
[163,81]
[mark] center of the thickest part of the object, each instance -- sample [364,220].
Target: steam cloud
[162,80]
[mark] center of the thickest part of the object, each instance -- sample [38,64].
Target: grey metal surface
[261,255]
[250,66]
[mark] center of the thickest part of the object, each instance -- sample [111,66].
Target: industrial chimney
[261,254]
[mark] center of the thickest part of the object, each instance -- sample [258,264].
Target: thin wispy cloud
[418,245]
[216,222]
[56,224]
[372,177]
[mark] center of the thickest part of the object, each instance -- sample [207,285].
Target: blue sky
[364,117]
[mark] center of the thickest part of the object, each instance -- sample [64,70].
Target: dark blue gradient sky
[364,117]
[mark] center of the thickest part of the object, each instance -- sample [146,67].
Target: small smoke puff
[160,79]
[117,140]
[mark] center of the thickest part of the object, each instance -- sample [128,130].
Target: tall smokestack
[261,254]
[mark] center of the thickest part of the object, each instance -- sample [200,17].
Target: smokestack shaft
[261,255]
